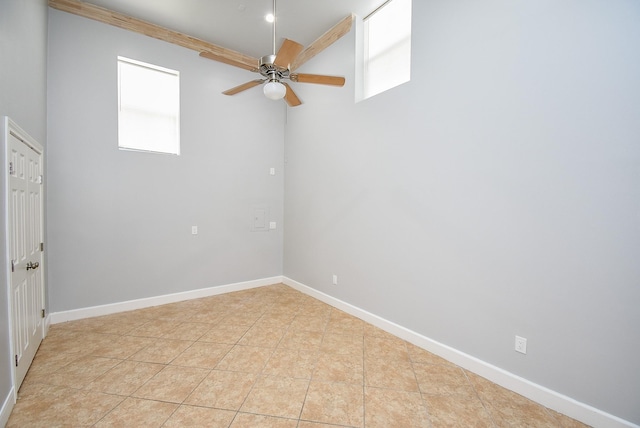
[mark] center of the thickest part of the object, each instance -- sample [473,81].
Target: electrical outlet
[521,345]
[194,230]
[335,279]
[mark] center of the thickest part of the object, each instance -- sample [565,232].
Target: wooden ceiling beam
[130,23]
[327,39]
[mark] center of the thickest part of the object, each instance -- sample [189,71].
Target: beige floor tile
[342,344]
[247,359]
[339,368]
[309,322]
[419,355]
[308,424]
[388,408]
[208,315]
[490,392]
[125,378]
[223,390]
[344,324]
[509,409]
[300,339]
[161,351]
[188,331]
[225,333]
[278,317]
[109,324]
[443,380]
[121,347]
[277,396]
[518,415]
[46,363]
[72,342]
[373,331]
[154,328]
[291,363]
[172,384]
[395,374]
[172,312]
[48,406]
[385,348]
[81,372]
[202,354]
[245,420]
[134,412]
[317,309]
[334,403]
[198,417]
[262,336]
[453,411]
[243,317]
[565,421]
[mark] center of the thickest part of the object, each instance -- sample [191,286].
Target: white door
[25,248]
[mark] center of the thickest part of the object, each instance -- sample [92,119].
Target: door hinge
[16,360]
[40,179]
[10,168]
[43,313]
[13,266]
[42,246]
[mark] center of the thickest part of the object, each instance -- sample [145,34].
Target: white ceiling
[240,24]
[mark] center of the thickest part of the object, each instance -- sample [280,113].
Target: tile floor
[266,357]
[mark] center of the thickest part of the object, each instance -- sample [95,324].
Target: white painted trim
[46,326]
[95,311]
[540,394]
[7,407]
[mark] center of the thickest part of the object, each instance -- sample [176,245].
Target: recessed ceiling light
[269,17]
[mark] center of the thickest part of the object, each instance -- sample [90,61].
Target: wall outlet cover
[521,345]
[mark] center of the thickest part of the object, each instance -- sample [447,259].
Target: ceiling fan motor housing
[271,71]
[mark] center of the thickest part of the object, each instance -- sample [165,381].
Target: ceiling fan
[281,66]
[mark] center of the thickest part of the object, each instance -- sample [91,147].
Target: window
[387,47]
[148,107]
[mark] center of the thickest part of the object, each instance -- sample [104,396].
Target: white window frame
[148,108]
[386,64]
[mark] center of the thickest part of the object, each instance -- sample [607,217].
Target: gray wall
[23,57]
[495,194]
[120,222]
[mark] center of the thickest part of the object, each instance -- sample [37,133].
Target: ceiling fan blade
[318,79]
[244,87]
[287,53]
[247,64]
[290,97]
[324,41]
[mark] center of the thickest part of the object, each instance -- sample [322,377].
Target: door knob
[32,265]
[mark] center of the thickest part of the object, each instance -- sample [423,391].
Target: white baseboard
[7,407]
[548,398]
[130,305]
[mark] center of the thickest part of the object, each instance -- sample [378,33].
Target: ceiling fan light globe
[274,90]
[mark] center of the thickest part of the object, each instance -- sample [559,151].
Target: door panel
[25,223]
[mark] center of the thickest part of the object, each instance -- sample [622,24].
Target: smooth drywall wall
[119,225]
[23,58]
[494,195]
